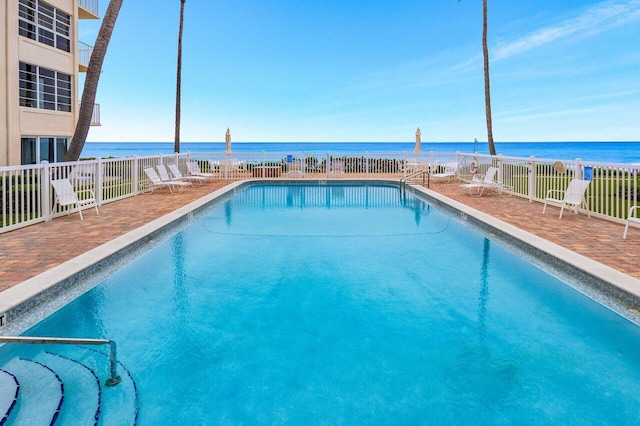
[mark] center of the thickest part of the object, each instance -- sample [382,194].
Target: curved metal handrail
[405,178]
[111,381]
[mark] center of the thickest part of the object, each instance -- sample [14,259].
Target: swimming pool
[342,304]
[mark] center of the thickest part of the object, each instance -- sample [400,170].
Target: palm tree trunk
[91,81]
[487,86]
[176,144]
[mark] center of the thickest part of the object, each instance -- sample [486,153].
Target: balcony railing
[84,55]
[88,9]
[95,116]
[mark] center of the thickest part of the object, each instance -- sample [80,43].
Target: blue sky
[356,70]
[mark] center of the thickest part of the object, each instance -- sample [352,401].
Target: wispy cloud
[603,17]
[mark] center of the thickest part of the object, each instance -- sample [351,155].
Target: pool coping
[22,298]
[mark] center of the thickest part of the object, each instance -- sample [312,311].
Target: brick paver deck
[29,251]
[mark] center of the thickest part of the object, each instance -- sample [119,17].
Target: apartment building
[41,58]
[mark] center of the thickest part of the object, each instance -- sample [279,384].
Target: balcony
[88,9]
[95,117]
[84,55]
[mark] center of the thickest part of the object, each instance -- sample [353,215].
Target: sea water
[611,152]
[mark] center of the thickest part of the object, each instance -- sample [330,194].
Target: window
[39,21]
[44,88]
[29,151]
[44,148]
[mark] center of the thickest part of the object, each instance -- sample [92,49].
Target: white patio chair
[194,169]
[450,170]
[66,196]
[631,218]
[573,196]
[164,176]
[159,183]
[175,171]
[481,182]
[82,174]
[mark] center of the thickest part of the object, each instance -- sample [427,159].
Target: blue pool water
[353,304]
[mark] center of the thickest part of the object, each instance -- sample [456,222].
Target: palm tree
[487,85]
[91,81]
[176,144]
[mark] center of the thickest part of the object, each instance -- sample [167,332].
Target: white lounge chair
[194,169]
[450,170]
[631,218]
[164,175]
[66,196]
[157,182]
[487,181]
[175,171]
[573,196]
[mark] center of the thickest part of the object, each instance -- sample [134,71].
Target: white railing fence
[27,196]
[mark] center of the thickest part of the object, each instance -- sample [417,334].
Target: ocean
[609,152]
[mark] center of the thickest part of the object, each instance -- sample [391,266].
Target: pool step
[9,390]
[65,387]
[41,393]
[119,404]
[82,390]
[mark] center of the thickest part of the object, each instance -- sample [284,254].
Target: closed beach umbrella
[227,139]
[418,149]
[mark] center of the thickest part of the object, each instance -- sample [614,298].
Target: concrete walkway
[30,251]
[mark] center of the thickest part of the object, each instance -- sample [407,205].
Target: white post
[135,171]
[533,174]
[578,172]
[45,191]
[99,182]
[366,164]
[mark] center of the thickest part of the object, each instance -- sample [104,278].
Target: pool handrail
[111,381]
[405,178]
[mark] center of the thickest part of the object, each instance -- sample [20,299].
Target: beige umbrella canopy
[417,149]
[227,139]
